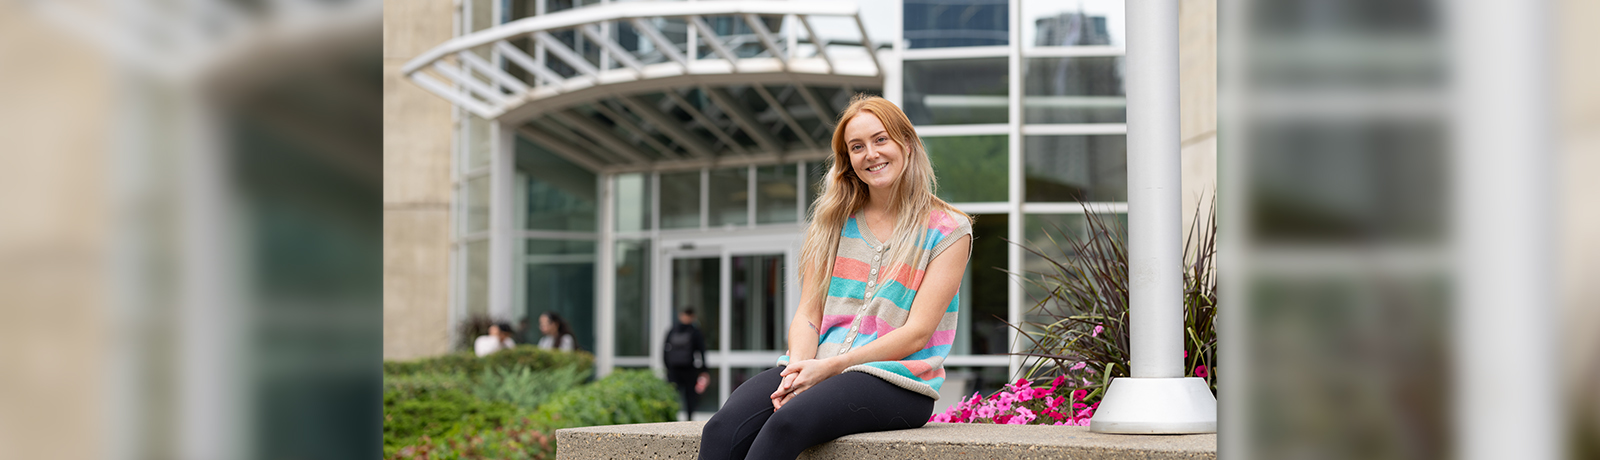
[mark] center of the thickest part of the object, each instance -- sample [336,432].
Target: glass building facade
[1020,105]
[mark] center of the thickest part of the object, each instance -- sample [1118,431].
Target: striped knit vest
[866,300]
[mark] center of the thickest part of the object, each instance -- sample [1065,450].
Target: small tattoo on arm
[813,327]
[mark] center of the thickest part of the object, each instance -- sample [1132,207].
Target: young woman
[557,334]
[882,263]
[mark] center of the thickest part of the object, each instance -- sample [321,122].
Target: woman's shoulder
[949,221]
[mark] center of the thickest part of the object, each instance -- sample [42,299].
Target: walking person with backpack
[685,357]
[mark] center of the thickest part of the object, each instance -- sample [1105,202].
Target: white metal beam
[667,126]
[744,119]
[521,59]
[783,113]
[561,148]
[820,42]
[473,85]
[766,39]
[644,136]
[866,42]
[606,138]
[714,42]
[666,46]
[567,55]
[611,46]
[706,121]
[499,76]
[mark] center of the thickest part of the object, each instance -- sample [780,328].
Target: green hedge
[523,356]
[419,408]
[625,396]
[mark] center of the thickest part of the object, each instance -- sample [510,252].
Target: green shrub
[437,406]
[526,387]
[625,396]
[527,356]
[622,397]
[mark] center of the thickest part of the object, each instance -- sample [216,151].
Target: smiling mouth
[877,168]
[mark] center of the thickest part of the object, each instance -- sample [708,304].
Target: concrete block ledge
[681,440]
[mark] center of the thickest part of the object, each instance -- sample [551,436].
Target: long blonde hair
[843,194]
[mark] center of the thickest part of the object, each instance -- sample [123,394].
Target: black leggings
[848,403]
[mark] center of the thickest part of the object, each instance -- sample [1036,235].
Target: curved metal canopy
[636,86]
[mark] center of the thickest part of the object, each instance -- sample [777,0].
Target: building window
[945,23]
[956,91]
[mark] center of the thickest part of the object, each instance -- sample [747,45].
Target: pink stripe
[941,222]
[831,321]
[931,374]
[850,269]
[875,325]
[917,368]
[941,338]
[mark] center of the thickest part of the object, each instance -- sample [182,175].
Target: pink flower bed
[1019,403]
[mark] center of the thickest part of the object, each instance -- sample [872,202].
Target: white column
[1016,297]
[605,325]
[502,254]
[1502,131]
[1157,398]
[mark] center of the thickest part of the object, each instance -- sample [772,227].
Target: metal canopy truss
[618,87]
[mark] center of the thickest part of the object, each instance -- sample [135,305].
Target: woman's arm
[804,329]
[939,284]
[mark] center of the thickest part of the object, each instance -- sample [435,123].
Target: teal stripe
[897,293]
[850,230]
[935,383]
[846,288]
[925,353]
[955,301]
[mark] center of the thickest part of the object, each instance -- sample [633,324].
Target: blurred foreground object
[1408,253]
[192,234]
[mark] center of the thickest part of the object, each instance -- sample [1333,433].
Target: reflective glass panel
[697,284]
[757,315]
[969,168]
[1074,90]
[477,204]
[816,173]
[984,289]
[563,284]
[1076,168]
[943,23]
[680,200]
[476,296]
[559,195]
[477,144]
[956,91]
[1072,23]
[633,202]
[776,199]
[632,324]
[730,196]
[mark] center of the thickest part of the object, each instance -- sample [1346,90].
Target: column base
[1182,405]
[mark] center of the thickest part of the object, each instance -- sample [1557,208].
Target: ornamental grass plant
[1076,334]
[1079,329]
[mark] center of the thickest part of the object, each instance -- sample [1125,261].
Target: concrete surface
[681,440]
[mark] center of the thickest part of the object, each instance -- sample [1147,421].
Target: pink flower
[1200,371]
[985,412]
[1079,405]
[1097,329]
[1186,353]
[1057,382]
[1042,392]
[1025,415]
[1079,394]
[1083,421]
[939,418]
[1080,365]
[1003,420]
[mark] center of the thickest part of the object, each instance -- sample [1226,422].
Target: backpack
[680,347]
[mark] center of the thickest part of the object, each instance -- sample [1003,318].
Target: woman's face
[545,326]
[875,158]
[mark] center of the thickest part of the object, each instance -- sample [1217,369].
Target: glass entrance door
[742,300]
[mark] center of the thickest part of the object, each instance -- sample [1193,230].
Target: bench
[681,440]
